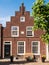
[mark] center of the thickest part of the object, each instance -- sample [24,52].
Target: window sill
[29,36]
[14,35]
[20,54]
[36,54]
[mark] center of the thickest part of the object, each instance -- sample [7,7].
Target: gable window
[22,19]
[35,47]
[21,47]
[14,31]
[29,31]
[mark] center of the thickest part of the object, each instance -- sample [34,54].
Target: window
[29,31]
[36,47]
[14,31]
[21,47]
[22,19]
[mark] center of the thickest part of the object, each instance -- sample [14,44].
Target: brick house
[19,38]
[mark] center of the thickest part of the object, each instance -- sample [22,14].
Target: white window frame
[30,30]
[38,48]
[21,19]
[15,30]
[24,48]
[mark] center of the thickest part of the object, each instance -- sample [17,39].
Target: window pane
[29,28]
[21,18]
[35,47]
[20,47]
[29,33]
[35,43]
[14,28]
[21,43]
[14,32]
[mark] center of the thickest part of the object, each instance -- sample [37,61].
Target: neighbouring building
[19,38]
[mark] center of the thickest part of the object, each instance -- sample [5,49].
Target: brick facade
[15,21]
[0,37]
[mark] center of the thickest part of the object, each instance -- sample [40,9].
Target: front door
[7,51]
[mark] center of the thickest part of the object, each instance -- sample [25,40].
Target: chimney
[22,9]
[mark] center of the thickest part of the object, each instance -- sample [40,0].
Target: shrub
[29,58]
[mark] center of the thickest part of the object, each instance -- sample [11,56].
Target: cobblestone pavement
[24,63]
[21,62]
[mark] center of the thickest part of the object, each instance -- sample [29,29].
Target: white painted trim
[47,52]
[38,48]
[32,32]
[17,30]
[24,48]
[22,32]
[21,19]
[7,44]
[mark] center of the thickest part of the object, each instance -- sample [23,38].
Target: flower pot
[30,59]
[43,59]
[11,58]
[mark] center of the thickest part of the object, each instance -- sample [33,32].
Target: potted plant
[11,58]
[29,58]
[43,58]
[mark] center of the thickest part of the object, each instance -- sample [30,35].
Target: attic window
[22,19]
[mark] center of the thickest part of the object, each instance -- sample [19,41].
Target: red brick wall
[29,21]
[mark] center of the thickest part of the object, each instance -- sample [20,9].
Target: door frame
[47,58]
[7,44]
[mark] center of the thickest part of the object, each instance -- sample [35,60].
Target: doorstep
[8,60]
[4,60]
[46,60]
